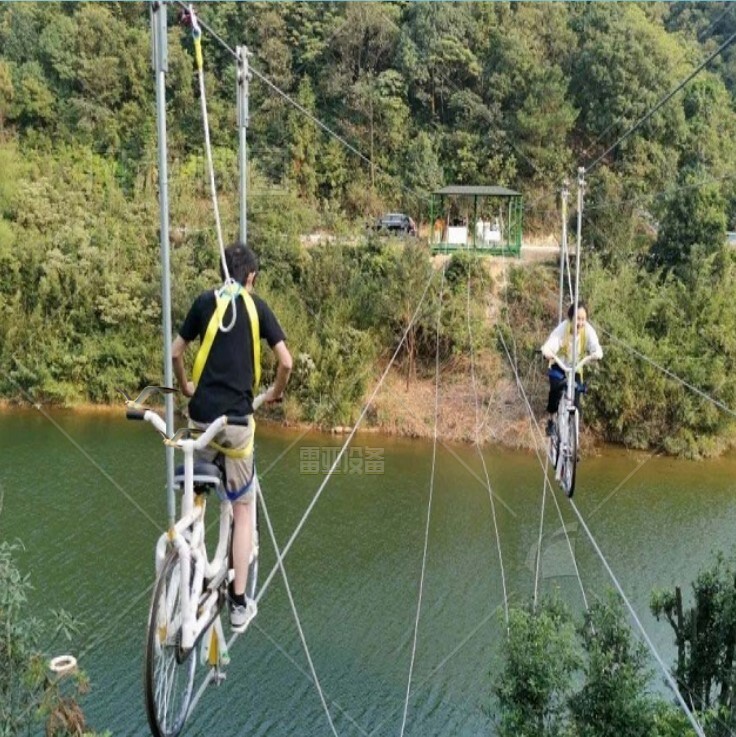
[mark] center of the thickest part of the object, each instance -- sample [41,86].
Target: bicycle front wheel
[554,445]
[169,670]
[570,461]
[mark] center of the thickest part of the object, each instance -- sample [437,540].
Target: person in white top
[559,345]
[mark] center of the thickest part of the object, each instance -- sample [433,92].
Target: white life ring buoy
[63,664]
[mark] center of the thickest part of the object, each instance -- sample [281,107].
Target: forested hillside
[430,94]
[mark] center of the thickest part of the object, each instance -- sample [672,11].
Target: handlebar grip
[135,414]
[240,420]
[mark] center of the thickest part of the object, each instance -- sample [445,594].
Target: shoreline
[396,412]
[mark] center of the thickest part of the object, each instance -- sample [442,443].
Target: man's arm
[283,370]
[178,348]
[552,344]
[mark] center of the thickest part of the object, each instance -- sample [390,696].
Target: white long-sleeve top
[560,342]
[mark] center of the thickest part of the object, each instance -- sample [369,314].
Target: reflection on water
[86,499]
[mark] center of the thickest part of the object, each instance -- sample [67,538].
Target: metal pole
[475,221]
[160,63]
[563,246]
[576,296]
[243,120]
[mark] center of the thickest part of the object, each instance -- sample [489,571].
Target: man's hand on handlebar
[566,368]
[271,397]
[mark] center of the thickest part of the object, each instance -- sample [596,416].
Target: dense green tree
[304,144]
[28,696]
[540,658]
[614,699]
[705,636]
[694,222]
[624,66]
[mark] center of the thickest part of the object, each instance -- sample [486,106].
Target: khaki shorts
[240,473]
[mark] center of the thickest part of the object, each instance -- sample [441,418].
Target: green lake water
[84,494]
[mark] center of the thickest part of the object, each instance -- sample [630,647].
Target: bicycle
[563,442]
[190,588]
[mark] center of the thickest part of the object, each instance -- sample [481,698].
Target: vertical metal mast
[576,296]
[563,246]
[160,65]
[243,119]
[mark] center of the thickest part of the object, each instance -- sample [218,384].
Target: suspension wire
[282,554]
[538,556]
[670,374]
[617,203]
[442,663]
[302,637]
[485,467]
[702,34]
[667,675]
[197,37]
[670,680]
[700,38]
[328,475]
[533,424]
[570,292]
[545,466]
[645,198]
[662,102]
[429,502]
[301,670]
[227,288]
[531,205]
[416,193]
[211,673]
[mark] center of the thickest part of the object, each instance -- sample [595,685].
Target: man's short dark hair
[571,308]
[240,261]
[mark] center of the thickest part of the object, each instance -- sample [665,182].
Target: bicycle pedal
[218,677]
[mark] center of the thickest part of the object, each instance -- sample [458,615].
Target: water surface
[85,496]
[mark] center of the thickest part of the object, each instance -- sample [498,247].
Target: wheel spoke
[169,677]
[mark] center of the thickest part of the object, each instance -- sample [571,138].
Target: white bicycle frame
[188,537]
[565,410]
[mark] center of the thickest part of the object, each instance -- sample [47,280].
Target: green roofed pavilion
[484,220]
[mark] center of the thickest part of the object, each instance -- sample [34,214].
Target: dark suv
[396,222]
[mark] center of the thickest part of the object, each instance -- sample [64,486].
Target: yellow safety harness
[567,345]
[221,302]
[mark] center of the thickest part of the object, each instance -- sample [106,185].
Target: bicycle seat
[207,476]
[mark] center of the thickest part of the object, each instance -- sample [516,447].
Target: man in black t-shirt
[226,370]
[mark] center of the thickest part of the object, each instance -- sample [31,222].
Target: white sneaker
[240,616]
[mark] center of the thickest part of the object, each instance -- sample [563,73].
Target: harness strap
[213,326]
[580,340]
[255,330]
[236,453]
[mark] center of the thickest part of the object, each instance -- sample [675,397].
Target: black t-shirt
[226,384]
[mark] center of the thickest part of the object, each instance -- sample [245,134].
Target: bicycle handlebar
[134,411]
[565,367]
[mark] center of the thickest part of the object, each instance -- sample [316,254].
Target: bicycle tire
[169,671]
[554,446]
[571,458]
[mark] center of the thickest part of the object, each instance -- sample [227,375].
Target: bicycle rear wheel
[570,460]
[169,671]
